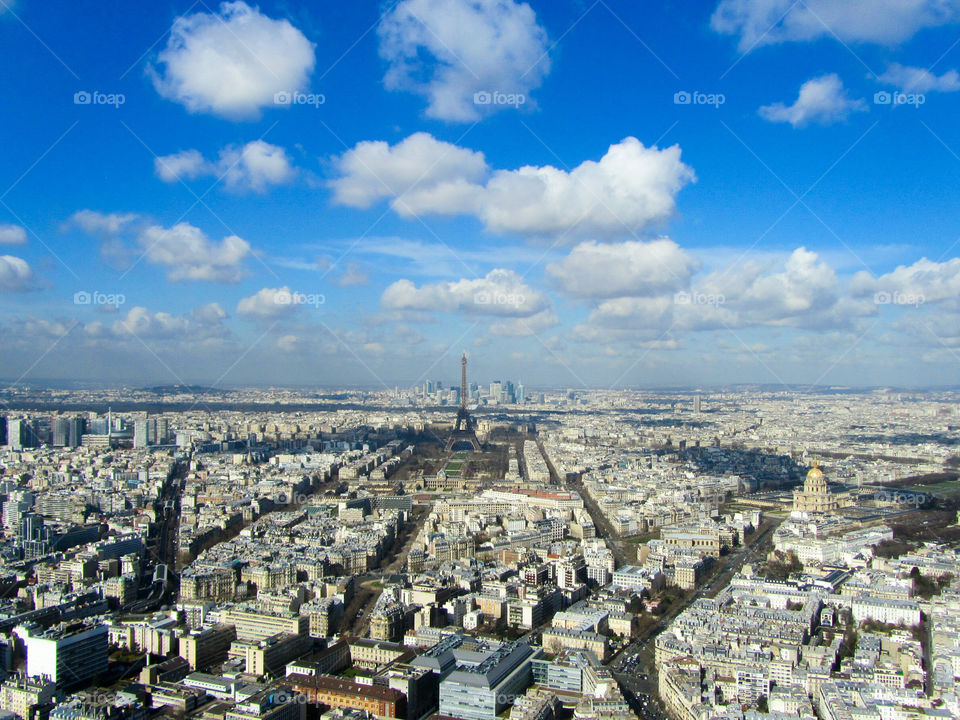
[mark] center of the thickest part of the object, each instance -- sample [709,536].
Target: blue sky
[577,193]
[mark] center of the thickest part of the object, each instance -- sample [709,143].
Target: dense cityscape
[480,551]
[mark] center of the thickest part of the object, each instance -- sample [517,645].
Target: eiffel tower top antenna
[463,381]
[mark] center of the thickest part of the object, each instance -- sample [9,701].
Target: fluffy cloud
[524,327]
[501,293]
[12,235]
[232,63]
[914,79]
[821,100]
[926,279]
[629,188]
[447,50]
[184,249]
[633,268]
[254,166]
[767,22]
[203,323]
[191,255]
[97,223]
[416,166]
[15,274]
[184,165]
[267,304]
[805,293]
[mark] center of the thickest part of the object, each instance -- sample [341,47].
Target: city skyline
[580,195]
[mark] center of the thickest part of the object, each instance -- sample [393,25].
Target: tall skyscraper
[16,433]
[140,439]
[61,431]
[77,425]
[696,404]
[521,395]
[163,431]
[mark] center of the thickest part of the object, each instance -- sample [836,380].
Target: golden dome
[815,472]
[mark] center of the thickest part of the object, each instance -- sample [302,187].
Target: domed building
[815,496]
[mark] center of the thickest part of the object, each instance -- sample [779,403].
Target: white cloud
[15,274]
[203,323]
[914,79]
[632,268]
[419,164]
[525,327]
[502,293]
[886,22]
[806,293]
[254,166]
[447,50]
[184,249]
[232,63]
[267,304]
[12,235]
[932,281]
[184,165]
[97,223]
[191,255]
[628,189]
[821,100]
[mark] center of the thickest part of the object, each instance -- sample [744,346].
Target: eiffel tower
[464,432]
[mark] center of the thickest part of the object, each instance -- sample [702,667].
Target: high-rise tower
[463,430]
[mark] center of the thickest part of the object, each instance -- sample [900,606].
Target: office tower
[140,439]
[696,404]
[97,426]
[31,525]
[16,433]
[163,431]
[77,426]
[496,391]
[151,431]
[61,431]
[69,655]
[481,688]
[521,396]
[17,505]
